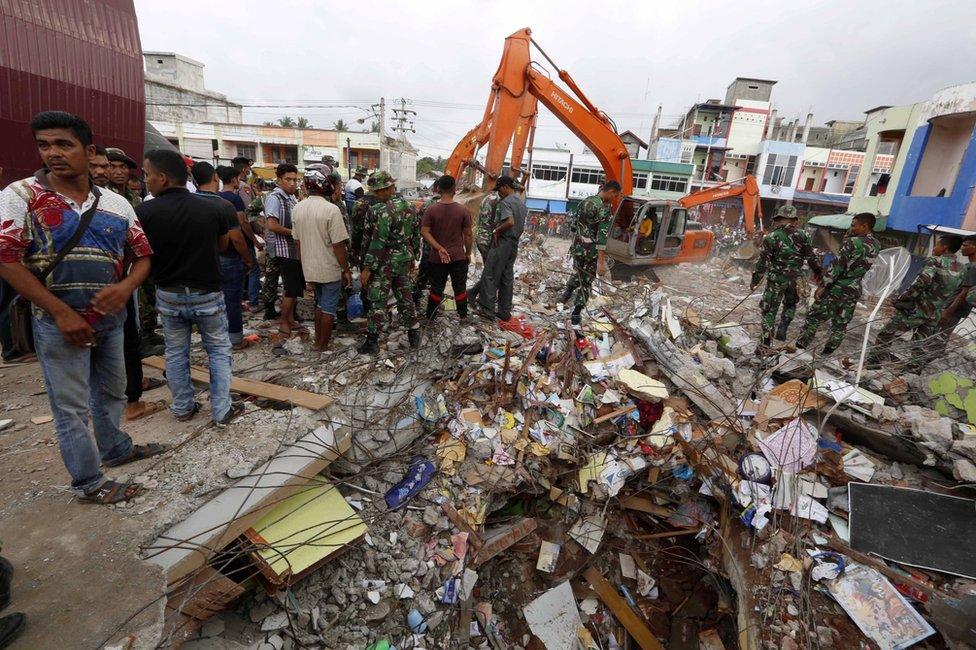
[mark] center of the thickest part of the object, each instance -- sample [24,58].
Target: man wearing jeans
[187,232]
[320,237]
[79,309]
[497,280]
[235,259]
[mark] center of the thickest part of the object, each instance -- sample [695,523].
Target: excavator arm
[746,187]
[511,113]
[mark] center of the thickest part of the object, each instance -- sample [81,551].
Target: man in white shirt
[320,238]
[354,189]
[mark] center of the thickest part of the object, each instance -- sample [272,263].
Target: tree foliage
[428,163]
[287,120]
[340,125]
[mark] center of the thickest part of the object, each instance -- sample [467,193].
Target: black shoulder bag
[19,310]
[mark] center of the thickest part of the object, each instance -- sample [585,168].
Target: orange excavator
[511,112]
[650,232]
[746,187]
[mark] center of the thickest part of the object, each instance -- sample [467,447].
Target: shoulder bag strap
[83,222]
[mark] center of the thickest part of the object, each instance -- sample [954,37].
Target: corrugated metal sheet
[80,56]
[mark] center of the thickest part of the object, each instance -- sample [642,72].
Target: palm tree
[269,123]
[303,123]
[340,125]
[286,121]
[374,127]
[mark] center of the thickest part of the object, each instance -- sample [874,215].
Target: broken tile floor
[656,484]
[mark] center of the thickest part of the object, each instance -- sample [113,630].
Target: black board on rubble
[914,527]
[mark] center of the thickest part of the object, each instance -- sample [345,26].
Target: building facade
[175,92]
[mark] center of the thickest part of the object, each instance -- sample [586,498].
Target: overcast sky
[836,58]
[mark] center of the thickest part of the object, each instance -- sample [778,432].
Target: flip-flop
[152,383]
[112,492]
[140,452]
[151,407]
[242,345]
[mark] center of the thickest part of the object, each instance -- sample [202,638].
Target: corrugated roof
[842,221]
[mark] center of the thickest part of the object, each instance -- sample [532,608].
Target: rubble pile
[648,476]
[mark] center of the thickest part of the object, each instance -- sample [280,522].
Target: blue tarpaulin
[554,206]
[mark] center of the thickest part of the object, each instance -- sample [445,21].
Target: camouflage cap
[361,170]
[786,212]
[380,181]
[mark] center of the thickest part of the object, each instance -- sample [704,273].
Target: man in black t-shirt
[235,262]
[188,231]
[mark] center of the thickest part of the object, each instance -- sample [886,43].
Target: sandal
[112,492]
[242,345]
[139,452]
[150,408]
[151,383]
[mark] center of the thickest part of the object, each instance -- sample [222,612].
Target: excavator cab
[651,232]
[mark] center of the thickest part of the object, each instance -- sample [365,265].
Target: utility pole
[401,117]
[654,127]
[382,132]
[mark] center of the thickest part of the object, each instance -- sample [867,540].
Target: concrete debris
[650,474]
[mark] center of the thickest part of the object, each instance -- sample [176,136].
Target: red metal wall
[80,56]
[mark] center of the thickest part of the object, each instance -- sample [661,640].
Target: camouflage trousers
[148,318]
[838,309]
[927,336]
[378,290]
[581,281]
[269,291]
[778,291]
[422,282]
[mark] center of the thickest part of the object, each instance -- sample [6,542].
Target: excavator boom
[510,115]
[746,187]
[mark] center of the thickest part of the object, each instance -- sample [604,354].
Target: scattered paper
[806,507]
[591,471]
[646,585]
[554,618]
[792,447]
[882,614]
[608,368]
[588,531]
[628,568]
[789,563]
[548,555]
[402,591]
[642,386]
[858,466]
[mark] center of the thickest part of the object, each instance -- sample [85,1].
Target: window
[587,176]
[247,150]
[677,224]
[779,169]
[667,183]
[942,157]
[549,172]
[851,179]
[640,180]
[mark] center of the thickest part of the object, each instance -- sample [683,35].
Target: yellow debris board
[306,527]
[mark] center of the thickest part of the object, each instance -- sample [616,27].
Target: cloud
[834,58]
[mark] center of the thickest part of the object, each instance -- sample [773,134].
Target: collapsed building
[655,482]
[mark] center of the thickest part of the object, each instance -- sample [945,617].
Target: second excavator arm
[746,187]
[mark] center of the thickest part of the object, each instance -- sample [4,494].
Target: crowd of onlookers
[114,259]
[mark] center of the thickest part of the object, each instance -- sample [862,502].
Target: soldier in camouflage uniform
[840,289]
[486,223]
[591,225]
[393,242]
[920,307]
[781,257]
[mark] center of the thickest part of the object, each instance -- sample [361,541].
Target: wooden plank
[500,541]
[623,410]
[634,625]
[293,396]
[645,505]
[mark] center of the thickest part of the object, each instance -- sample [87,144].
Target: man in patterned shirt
[79,309]
[277,210]
[840,289]
[781,258]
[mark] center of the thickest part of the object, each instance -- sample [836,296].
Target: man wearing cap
[391,242]
[353,190]
[591,226]
[781,257]
[840,289]
[498,279]
[119,165]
